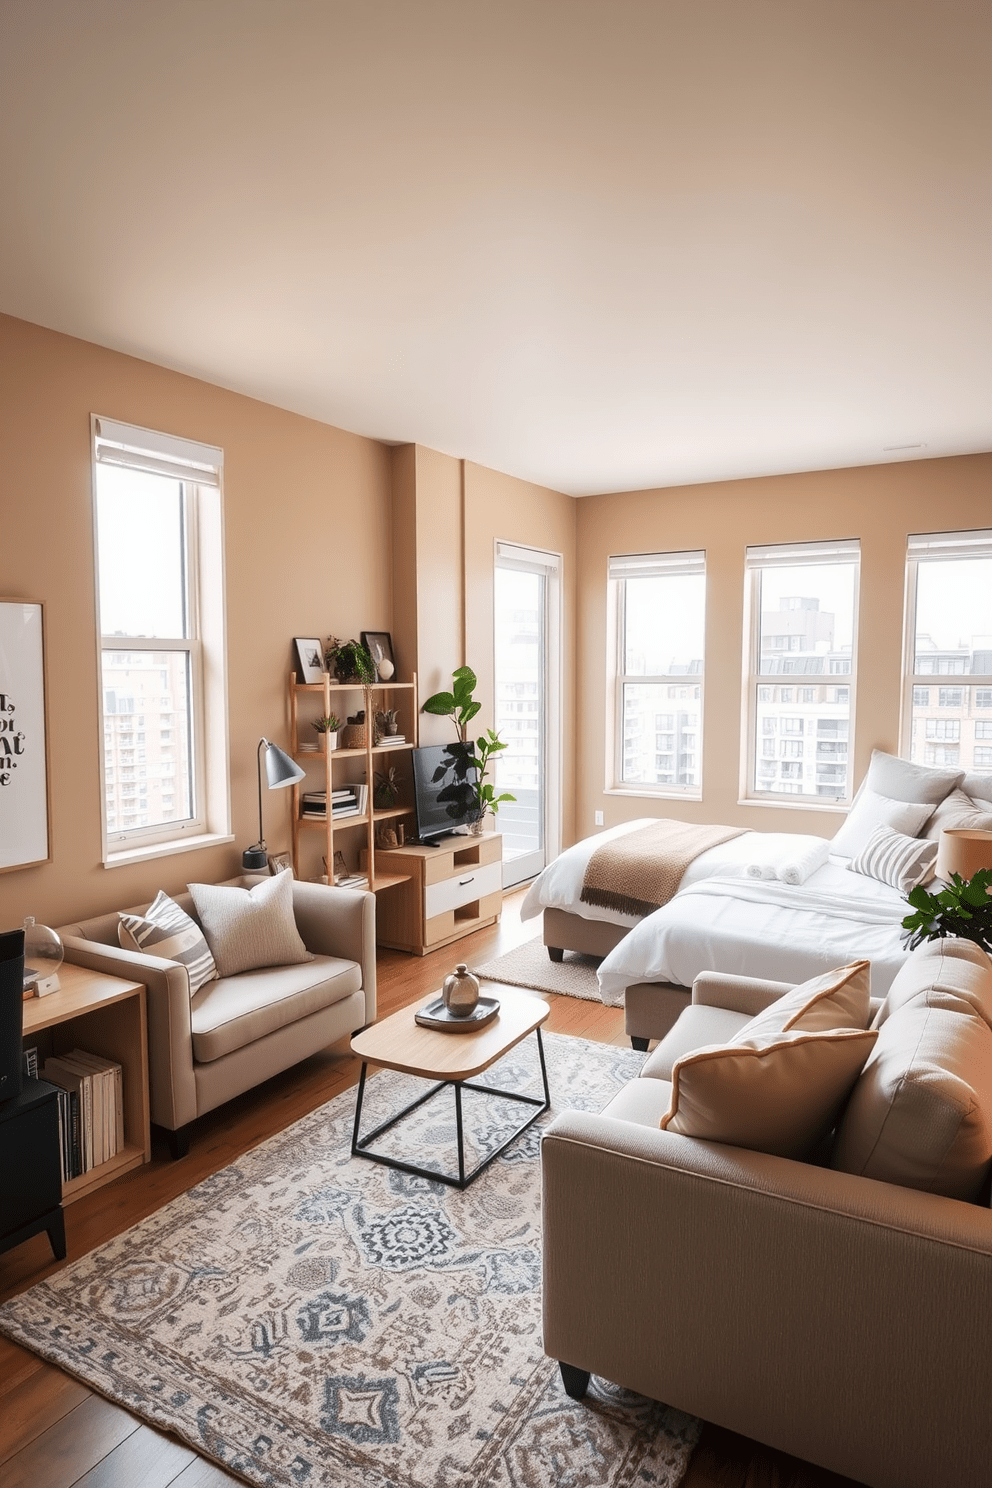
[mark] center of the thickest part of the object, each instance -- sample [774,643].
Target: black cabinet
[31,1167]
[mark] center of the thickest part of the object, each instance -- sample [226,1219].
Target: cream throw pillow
[247,929]
[869,811]
[835,999]
[780,1096]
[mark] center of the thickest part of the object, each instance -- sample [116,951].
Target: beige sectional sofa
[839,1309]
[237,1031]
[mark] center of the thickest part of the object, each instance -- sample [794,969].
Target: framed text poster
[23,742]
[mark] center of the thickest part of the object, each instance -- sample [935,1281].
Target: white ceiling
[602,244]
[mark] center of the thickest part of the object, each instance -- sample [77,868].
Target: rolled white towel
[805,862]
[760,870]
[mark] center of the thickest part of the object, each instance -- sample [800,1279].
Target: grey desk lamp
[280,770]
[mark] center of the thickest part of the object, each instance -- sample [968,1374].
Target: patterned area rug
[307,1318]
[529,965]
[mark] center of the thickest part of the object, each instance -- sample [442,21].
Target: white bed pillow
[977,784]
[901,780]
[871,810]
[959,810]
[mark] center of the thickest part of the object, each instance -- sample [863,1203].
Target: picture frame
[310,659]
[279,862]
[379,644]
[25,837]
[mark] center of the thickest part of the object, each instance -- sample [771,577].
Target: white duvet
[757,928]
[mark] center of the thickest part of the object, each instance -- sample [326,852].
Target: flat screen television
[443,790]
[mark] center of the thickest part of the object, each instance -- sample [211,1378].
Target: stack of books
[91,1109]
[390,739]
[350,800]
[352,881]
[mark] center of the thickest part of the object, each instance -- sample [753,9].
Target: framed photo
[379,644]
[24,838]
[279,862]
[310,660]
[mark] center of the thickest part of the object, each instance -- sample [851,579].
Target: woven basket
[353,736]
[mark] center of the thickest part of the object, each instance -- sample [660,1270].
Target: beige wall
[308,552]
[879,504]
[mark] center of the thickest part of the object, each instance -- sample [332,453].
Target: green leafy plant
[328,725]
[386,788]
[963,908]
[465,765]
[350,661]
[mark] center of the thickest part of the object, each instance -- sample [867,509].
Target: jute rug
[529,965]
[306,1318]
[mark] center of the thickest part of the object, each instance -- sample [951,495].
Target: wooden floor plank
[61,1456]
[146,1457]
[35,1405]
[203,1474]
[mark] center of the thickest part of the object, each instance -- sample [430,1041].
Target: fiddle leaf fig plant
[468,761]
[962,908]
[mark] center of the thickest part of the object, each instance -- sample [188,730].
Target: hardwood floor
[57,1433]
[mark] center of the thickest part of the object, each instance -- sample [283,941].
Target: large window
[802,626]
[160,603]
[948,634]
[660,601]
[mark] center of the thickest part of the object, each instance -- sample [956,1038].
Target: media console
[452,888]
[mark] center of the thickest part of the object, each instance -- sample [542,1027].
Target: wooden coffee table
[399,1043]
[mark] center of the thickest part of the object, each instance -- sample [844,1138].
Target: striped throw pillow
[167,931]
[895,859]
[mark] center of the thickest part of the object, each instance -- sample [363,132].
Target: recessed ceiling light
[891,449]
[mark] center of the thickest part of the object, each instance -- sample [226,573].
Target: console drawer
[472,883]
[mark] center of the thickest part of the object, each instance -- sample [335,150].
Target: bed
[727,917]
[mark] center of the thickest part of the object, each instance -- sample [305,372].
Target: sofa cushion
[167,931]
[958,810]
[949,973]
[248,929]
[921,1112]
[233,1012]
[977,785]
[695,1026]
[642,1101]
[871,810]
[779,1094]
[895,859]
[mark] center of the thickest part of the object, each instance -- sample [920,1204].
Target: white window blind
[794,555]
[656,565]
[162,454]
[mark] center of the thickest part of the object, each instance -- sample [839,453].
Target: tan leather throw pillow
[247,929]
[780,1094]
[835,999]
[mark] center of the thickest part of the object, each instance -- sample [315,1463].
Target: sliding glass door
[527,691]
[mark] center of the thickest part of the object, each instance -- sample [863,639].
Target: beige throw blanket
[641,871]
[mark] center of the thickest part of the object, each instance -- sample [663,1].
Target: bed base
[650,1008]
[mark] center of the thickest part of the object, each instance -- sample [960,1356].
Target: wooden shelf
[105,1015]
[329,768]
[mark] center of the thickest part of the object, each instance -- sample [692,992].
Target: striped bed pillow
[895,859]
[167,931]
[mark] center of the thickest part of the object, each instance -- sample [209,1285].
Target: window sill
[129,855]
[644,793]
[796,803]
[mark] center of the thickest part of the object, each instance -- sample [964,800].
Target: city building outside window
[160,612]
[801,622]
[659,613]
[948,633]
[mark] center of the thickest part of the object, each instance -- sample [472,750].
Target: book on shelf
[92,1113]
[352,881]
[388,740]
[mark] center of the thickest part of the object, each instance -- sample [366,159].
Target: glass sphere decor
[43,955]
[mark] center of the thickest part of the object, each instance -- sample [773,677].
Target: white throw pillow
[781,1096]
[872,810]
[977,784]
[167,931]
[892,858]
[958,810]
[834,999]
[247,929]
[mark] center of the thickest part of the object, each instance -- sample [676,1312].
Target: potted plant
[350,661]
[386,788]
[469,787]
[328,726]
[387,721]
[962,908]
